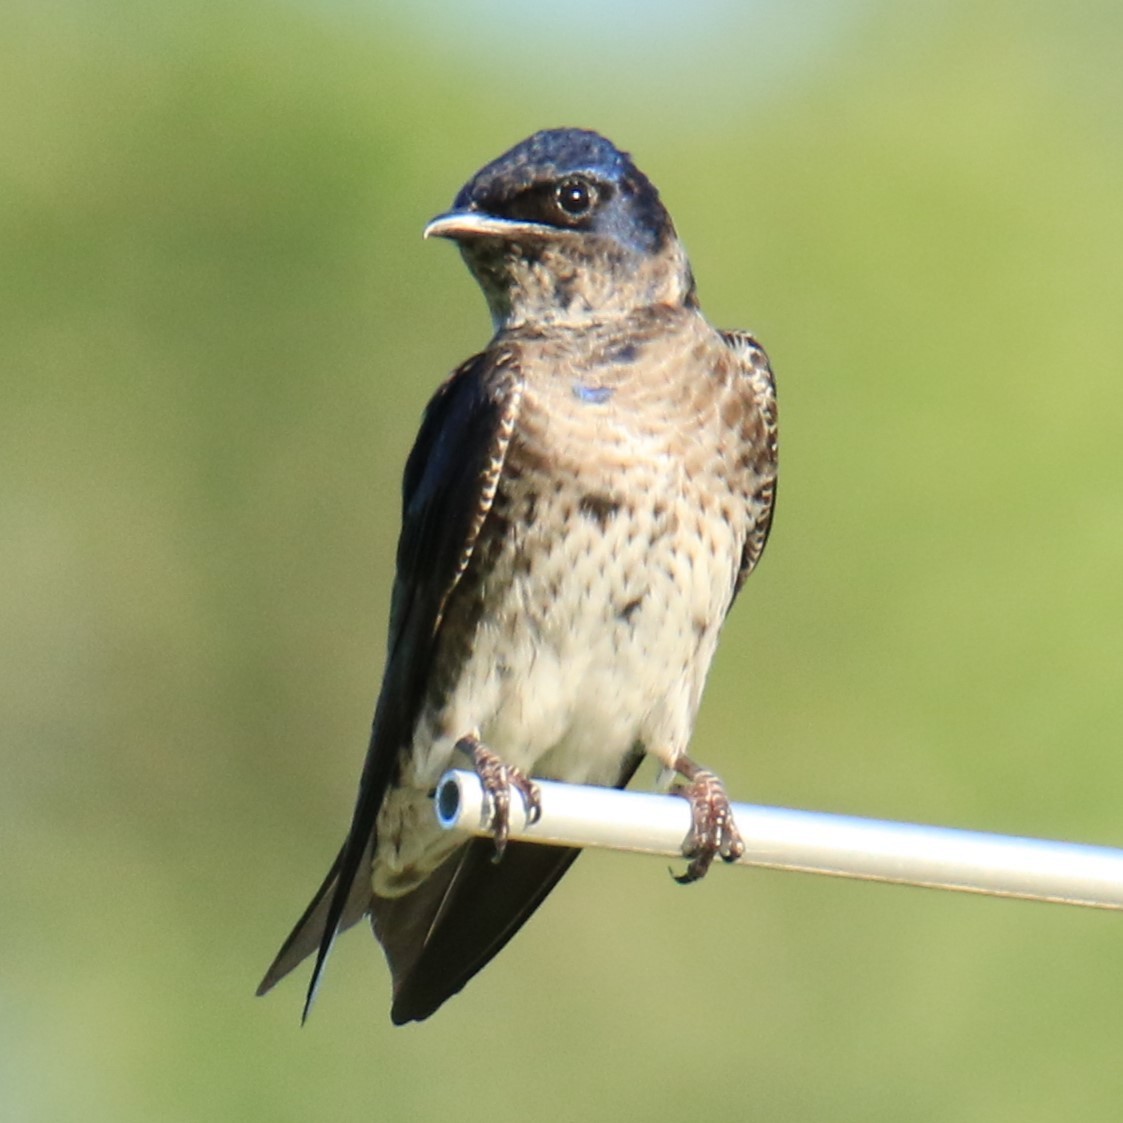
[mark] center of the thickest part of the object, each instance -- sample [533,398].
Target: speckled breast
[611,551]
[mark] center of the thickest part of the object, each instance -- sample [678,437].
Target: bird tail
[308,934]
[448,928]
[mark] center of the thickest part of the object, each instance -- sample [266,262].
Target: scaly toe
[713,833]
[498,779]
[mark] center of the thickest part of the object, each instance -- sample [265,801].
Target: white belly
[599,646]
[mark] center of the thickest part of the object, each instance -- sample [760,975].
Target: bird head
[564,228]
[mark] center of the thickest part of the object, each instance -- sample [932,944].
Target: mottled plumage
[583,503]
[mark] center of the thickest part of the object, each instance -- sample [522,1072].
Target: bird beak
[462,225]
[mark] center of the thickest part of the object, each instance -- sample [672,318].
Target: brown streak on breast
[599,508]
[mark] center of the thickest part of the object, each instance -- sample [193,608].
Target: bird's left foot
[713,831]
[498,779]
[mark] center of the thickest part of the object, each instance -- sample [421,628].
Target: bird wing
[759,385]
[447,490]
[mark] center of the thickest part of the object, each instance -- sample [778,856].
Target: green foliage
[218,327]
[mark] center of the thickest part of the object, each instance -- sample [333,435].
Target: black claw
[533,801]
[693,872]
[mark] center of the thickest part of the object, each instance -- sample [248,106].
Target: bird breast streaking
[584,500]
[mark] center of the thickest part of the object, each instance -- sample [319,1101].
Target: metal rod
[813,842]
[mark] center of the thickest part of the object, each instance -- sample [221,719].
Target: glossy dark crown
[521,184]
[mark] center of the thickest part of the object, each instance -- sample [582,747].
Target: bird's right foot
[498,779]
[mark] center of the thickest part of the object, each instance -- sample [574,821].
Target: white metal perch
[812,842]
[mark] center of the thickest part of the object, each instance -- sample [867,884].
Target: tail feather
[308,934]
[438,936]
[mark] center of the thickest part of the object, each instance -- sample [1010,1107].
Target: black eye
[576,196]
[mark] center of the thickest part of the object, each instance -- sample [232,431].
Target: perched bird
[583,503]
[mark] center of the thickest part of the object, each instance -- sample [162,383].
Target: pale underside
[619,528]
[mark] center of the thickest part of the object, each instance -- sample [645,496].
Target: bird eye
[575,196]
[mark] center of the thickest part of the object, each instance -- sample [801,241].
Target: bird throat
[575,281]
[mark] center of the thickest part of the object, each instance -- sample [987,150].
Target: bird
[583,503]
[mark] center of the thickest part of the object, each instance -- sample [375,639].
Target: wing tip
[317,974]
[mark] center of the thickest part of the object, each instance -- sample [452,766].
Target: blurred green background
[218,328]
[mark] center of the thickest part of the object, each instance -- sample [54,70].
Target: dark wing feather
[756,375]
[437,937]
[447,490]
[451,926]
